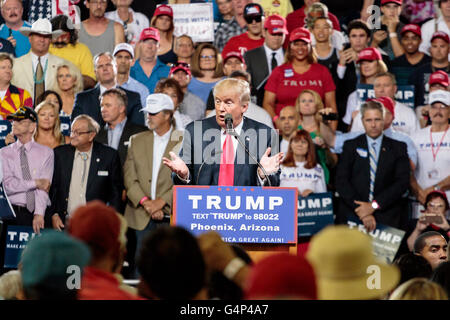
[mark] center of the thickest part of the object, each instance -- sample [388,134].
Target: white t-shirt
[303,179]
[133,29]
[428,28]
[405,120]
[353,103]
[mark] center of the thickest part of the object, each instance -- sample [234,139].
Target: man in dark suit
[373,174]
[212,156]
[262,60]
[117,130]
[88,102]
[84,170]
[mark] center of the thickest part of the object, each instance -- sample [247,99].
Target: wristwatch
[437,188]
[375,205]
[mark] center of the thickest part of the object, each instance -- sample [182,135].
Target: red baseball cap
[414,28]
[162,10]
[233,53]
[369,54]
[275,24]
[387,102]
[180,67]
[440,34]
[300,34]
[439,77]
[149,33]
[383,2]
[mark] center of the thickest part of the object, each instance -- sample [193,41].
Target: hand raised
[177,165]
[271,164]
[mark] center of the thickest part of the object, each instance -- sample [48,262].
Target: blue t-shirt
[200,88]
[22,42]
[160,70]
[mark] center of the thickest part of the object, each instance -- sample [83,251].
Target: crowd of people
[326,88]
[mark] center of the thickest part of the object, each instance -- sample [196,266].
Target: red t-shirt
[287,84]
[297,19]
[242,43]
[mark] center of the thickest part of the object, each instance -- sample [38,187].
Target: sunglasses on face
[249,19]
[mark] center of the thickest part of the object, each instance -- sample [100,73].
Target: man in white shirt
[405,118]
[148,183]
[433,148]
[440,24]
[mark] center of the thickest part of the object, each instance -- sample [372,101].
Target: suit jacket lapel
[170,145]
[93,167]
[365,174]
[241,154]
[149,150]
[384,151]
[265,66]
[68,176]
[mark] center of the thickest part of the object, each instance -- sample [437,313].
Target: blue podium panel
[17,238]
[238,214]
[315,212]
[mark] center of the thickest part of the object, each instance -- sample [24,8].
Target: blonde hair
[78,86]
[57,128]
[10,284]
[419,289]
[239,86]
[317,101]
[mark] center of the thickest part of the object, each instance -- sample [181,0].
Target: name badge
[362,152]
[126,143]
[102,173]
[288,73]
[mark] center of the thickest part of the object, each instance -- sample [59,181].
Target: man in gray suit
[262,60]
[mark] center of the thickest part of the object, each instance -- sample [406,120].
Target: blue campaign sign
[404,94]
[315,212]
[17,238]
[5,128]
[65,125]
[238,214]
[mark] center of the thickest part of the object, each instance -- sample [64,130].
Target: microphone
[229,123]
[204,161]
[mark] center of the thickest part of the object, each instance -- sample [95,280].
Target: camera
[330,116]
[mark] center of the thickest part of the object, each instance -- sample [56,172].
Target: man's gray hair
[93,126]
[372,105]
[239,86]
[108,54]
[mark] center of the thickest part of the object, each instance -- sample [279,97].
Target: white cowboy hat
[41,26]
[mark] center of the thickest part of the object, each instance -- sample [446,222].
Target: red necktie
[226,172]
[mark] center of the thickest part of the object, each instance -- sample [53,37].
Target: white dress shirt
[159,146]
[279,56]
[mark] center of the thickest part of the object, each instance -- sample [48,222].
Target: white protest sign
[195,20]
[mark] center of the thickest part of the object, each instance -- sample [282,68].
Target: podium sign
[238,214]
[315,212]
[5,128]
[17,238]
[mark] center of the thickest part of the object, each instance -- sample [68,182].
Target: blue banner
[6,210]
[238,214]
[17,238]
[315,212]
[404,94]
[65,125]
[385,239]
[5,128]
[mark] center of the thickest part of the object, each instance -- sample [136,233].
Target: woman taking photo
[299,168]
[206,68]
[300,71]
[163,21]
[68,85]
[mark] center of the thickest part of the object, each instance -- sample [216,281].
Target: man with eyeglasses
[84,170]
[433,147]
[148,69]
[98,32]
[88,101]
[27,171]
[262,60]
[253,38]
[124,57]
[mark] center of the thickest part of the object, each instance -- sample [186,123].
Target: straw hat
[43,27]
[341,258]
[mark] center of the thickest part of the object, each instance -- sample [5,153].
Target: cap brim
[358,288]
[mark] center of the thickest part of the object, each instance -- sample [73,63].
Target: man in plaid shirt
[232,27]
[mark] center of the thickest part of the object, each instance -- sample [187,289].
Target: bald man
[289,118]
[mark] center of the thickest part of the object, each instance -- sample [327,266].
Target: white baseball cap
[158,102]
[124,47]
[440,96]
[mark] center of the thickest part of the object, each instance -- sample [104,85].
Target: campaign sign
[17,238]
[238,214]
[404,94]
[195,20]
[6,210]
[315,212]
[5,128]
[386,240]
[65,125]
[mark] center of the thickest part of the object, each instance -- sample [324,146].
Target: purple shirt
[40,162]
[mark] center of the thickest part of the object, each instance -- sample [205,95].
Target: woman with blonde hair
[419,289]
[308,104]
[67,86]
[206,68]
[48,131]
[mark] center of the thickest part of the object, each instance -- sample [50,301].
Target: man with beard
[97,32]
[405,64]
[12,14]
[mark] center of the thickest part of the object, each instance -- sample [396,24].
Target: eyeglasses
[207,57]
[249,19]
[78,133]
